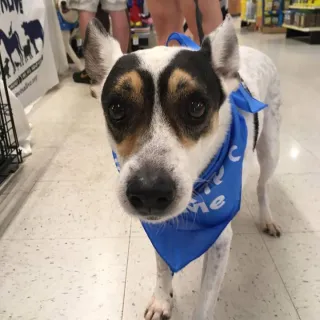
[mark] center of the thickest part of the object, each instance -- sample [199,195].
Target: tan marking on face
[131,84]
[187,142]
[128,145]
[179,77]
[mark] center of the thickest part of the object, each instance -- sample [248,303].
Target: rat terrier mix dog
[178,137]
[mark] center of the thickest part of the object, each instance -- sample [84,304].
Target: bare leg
[167,18]
[84,18]
[214,268]
[120,28]
[211,15]
[160,306]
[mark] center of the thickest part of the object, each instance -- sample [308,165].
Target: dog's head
[68,14]
[166,111]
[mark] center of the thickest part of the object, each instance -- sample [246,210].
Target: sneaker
[81,77]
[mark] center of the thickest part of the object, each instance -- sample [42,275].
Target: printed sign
[26,50]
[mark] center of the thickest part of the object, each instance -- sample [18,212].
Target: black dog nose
[151,191]
[63,3]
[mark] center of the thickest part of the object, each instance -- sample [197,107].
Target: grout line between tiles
[303,147]
[295,308]
[126,275]
[141,236]
[63,239]
[295,174]
[275,265]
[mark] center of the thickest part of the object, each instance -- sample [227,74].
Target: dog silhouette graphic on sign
[6,70]
[27,50]
[11,45]
[33,29]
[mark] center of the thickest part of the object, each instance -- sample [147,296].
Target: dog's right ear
[101,51]
[223,48]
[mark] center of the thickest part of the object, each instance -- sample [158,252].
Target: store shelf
[312,29]
[144,30]
[272,11]
[303,7]
[250,20]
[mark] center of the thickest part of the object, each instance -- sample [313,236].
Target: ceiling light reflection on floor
[294,152]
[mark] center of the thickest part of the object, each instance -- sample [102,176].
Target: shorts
[92,5]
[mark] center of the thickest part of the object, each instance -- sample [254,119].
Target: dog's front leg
[214,268]
[160,306]
[66,41]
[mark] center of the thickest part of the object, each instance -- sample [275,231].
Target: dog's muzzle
[151,191]
[64,7]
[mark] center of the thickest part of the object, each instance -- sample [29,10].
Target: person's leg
[120,22]
[167,18]
[120,28]
[211,15]
[84,18]
[87,11]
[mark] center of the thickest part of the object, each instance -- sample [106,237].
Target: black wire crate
[10,153]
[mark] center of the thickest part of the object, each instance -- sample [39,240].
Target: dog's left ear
[223,48]
[101,51]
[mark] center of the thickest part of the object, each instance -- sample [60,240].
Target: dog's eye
[196,109]
[117,112]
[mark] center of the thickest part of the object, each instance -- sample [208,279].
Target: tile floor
[72,253]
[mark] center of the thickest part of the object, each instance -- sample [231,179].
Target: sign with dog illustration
[25,49]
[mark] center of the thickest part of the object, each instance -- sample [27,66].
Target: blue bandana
[64,25]
[216,195]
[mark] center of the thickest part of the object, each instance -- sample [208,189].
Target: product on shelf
[135,10]
[268,5]
[296,21]
[251,8]
[301,16]
[276,5]
[308,20]
[306,3]
[286,4]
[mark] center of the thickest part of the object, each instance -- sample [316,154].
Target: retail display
[135,9]
[266,15]
[10,154]
[303,19]
[298,18]
[140,23]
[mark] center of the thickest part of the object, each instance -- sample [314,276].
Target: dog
[169,113]
[68,20]
[27,50]
[6,69]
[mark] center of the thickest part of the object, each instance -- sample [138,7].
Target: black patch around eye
[187,102]
[198,65]
[138,111]
[187,123]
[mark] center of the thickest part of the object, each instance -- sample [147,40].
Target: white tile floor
[72,253]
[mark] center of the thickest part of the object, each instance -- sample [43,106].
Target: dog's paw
[272,229]
[93,93]
[159,308]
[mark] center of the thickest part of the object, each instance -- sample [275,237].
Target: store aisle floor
[72,253]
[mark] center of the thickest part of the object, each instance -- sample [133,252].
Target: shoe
[81,77]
